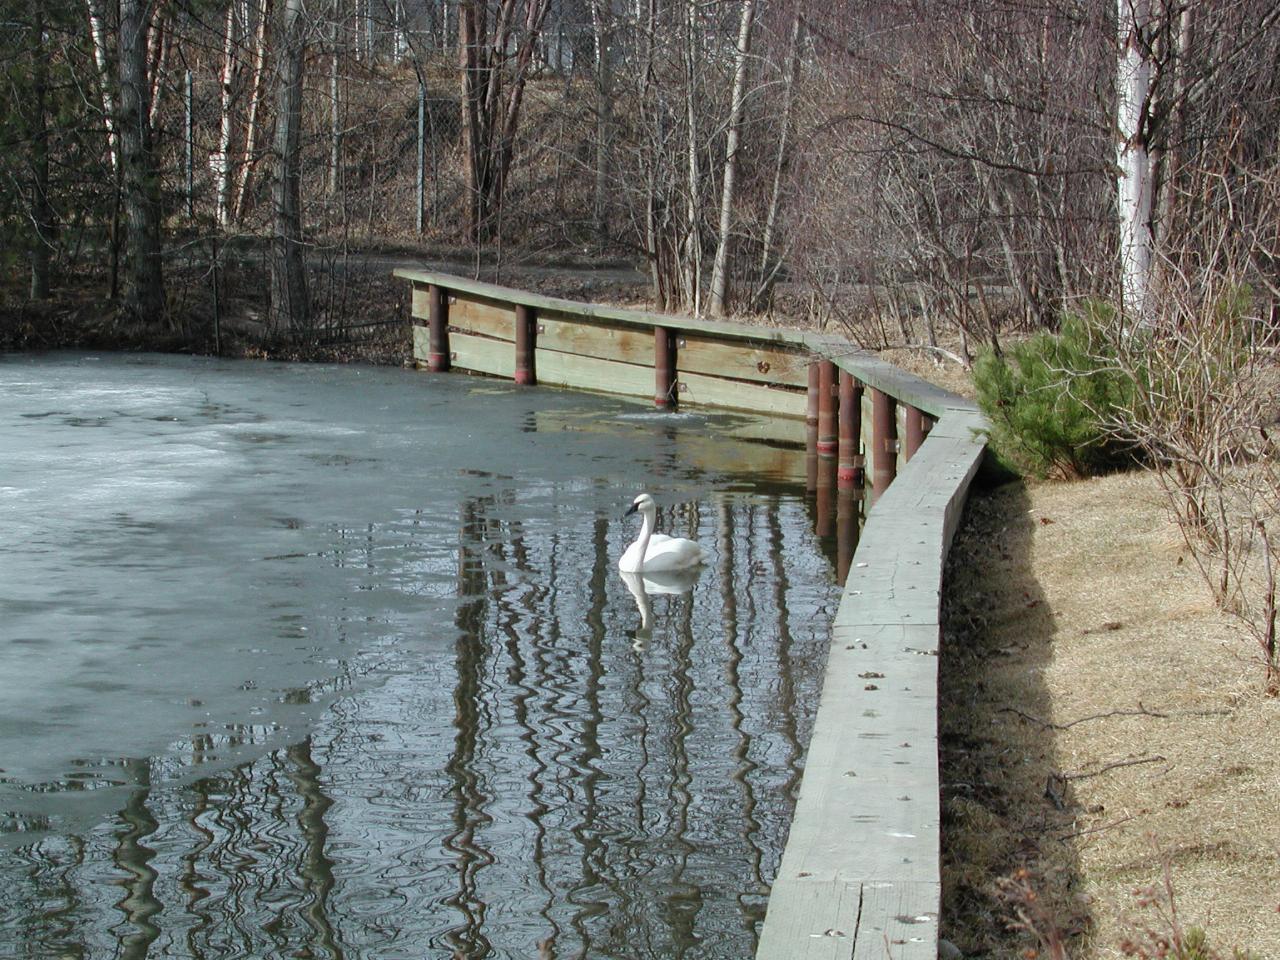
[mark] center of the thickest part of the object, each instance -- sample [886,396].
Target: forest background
[939,174]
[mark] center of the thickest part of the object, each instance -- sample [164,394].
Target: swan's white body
[653,552]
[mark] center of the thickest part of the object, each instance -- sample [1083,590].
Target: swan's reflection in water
[645,586]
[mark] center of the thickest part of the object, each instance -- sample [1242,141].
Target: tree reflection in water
[533,781]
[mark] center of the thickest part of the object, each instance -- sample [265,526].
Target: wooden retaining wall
[860,874]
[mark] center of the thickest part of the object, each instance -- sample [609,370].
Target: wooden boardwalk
[860,874]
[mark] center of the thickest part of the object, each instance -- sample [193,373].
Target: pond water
[308,661]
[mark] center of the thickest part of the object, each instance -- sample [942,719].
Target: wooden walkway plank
[899,921]
[821,920]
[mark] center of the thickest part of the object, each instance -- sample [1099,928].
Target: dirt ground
[1103,731]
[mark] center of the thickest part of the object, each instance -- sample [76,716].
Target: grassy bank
[1103,730]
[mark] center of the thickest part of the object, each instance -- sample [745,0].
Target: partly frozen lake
[335,661]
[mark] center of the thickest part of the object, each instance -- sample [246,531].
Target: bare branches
[1140,712]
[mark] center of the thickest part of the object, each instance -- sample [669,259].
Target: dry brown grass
[1099,719]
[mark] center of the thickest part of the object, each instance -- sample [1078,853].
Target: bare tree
[742,53]
[1135,185]
[290,305]
[252,124]
[42,214]
[100,37]
[496,58]
[144,292]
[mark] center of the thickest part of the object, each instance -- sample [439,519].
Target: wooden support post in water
[811,399]
[437,328]
[914,422]
[852,472]
[884,441]
[664,368]
[824,524]
[826,408]
[848,527]
[526,344]
[810,457]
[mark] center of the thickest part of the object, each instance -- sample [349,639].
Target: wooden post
[915,430]
[848,527]
[824,524]
[810,457]
[884,441]
[826,408]
[811,405]
[437,328]
[851,472]
[664,368]
[526,344]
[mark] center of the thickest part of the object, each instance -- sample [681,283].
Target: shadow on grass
[1009,880]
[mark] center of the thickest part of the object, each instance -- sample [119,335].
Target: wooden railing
[860,872]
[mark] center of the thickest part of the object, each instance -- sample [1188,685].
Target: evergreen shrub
[1050,399]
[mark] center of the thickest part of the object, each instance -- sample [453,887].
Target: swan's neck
[646,531]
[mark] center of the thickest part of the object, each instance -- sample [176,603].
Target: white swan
[656,551]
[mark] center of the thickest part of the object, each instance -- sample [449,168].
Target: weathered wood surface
[871,370]
[758,363]
[868,811]
[483,355]
[699,390]
[588,373]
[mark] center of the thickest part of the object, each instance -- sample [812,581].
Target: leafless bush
[1203,362]
[1162,934]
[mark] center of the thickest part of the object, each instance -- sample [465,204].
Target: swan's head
[644,504]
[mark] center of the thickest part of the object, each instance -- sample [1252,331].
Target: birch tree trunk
[144,290]
[720,269]
[220,161]
[692,258]
[255,101]
[100,33]
[290,306]
[600,34]
[1134,181]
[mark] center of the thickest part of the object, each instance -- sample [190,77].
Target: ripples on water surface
[307,661]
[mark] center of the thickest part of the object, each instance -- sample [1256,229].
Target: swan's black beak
[631,509]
